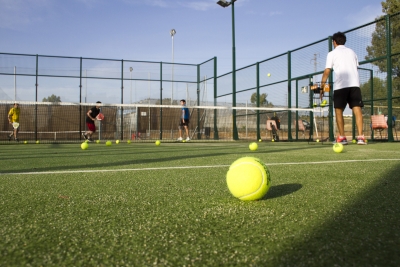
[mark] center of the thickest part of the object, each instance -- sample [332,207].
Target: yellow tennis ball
[253,146]
[273,140]
[37,142]
[25,142]
[259,140]
[84,145]
[248,178]
[129,141]
[97,141]
[158,143]
[354,141]
[117,142]
[317,140]
[338,147]
[108,143]
[269,74]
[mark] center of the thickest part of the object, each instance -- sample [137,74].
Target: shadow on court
[282,190]
[366,233]
[129,159]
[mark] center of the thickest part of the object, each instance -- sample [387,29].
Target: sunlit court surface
[138,204]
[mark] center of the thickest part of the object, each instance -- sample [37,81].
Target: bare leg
[359,120]
[339,120]
[187,132]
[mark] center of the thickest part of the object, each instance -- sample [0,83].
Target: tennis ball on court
[158,142]
[317,140]
[366,141]
[354,141]
[314,105]
[117,142]
[259,140]
[37,142]
[129,141]
[273,140]
[269,74]
[184,141]
[25,142]
[338,147]
[253,146]
[84,145]
[248,178]
[108,143]
[97,141]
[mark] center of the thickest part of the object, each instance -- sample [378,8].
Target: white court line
[200,167]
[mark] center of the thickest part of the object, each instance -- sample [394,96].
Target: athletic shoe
[16,140]
[9,137]
[85,136]
[90,140]
[187,139]
[361,140]
[180,139]
[342,140]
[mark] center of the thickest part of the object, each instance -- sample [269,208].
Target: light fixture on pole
[172,32]
[131,69]
[224,4]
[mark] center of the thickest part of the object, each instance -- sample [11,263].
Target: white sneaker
[180,139]
[187,139]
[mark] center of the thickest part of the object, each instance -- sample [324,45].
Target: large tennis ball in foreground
[108,143]
[248,179]
[253,146]
[338,147]
[84,145]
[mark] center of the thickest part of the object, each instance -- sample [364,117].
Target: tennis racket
[100,117]
[15,125]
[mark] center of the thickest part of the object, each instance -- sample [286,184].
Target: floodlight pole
[224,4]
[131,69]
[172,32]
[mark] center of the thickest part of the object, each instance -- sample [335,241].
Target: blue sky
[140,29]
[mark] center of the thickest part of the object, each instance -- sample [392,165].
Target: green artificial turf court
[144,205]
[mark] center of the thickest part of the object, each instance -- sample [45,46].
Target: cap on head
[99,102]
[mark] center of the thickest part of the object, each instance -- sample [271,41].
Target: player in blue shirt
[184,121]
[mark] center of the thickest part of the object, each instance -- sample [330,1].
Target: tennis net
[65,122]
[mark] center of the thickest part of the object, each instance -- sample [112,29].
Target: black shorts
[349,95]
[186,123]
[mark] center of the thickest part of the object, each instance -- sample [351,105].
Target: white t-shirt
[344,62]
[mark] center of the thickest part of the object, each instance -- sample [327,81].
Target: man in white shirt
[347,90]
